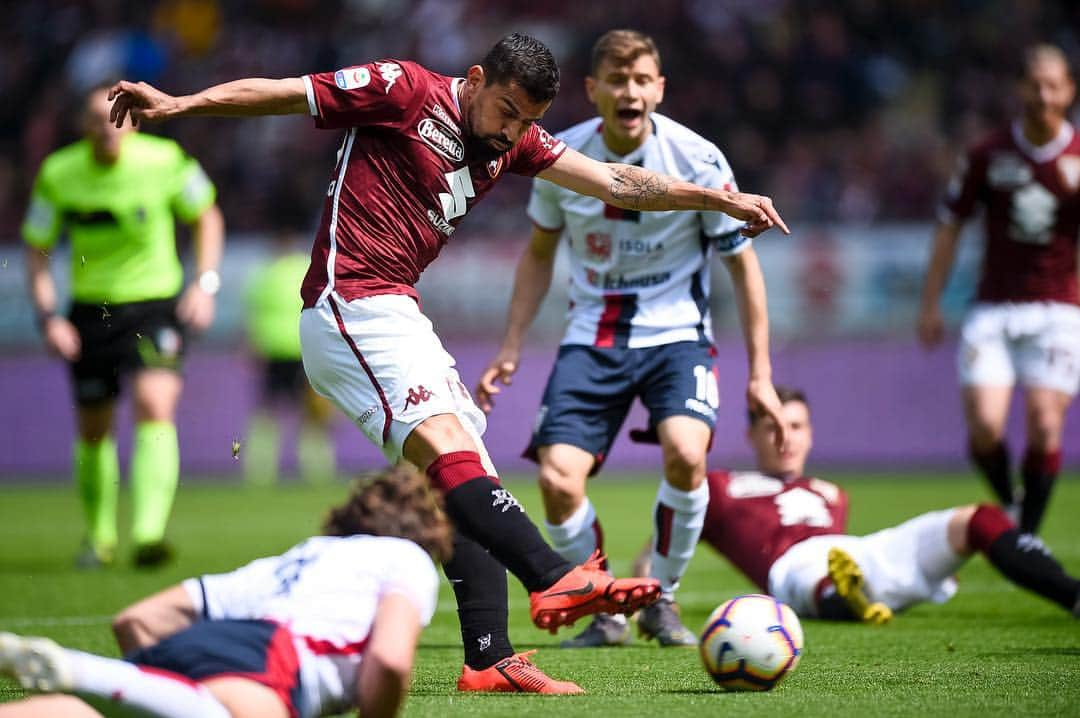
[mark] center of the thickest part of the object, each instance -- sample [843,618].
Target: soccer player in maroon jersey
[1025,324]
[785,531]
[419,150]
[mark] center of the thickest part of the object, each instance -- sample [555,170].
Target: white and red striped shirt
[325,590]
[640,279]
[404,177]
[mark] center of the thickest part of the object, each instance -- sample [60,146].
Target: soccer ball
[751,642]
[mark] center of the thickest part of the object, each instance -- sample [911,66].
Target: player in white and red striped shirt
[419,150]
[329,625]
[638,327]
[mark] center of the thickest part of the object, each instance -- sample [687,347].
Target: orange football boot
[589,589]
[516,674]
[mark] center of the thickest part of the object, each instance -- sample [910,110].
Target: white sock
[578,536]
[679,516]
[160,693]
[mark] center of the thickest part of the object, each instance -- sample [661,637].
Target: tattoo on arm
[639,188]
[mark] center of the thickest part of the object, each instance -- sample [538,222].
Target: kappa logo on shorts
[416,396]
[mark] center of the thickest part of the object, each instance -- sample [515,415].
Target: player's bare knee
[957,529]
[562,492]
[1044,425]
[684,465]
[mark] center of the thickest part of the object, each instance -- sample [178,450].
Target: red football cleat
[589,589]
[516,674]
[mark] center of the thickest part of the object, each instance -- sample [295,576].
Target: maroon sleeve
[376,94]
[535,152]
[965,187]
[840,513]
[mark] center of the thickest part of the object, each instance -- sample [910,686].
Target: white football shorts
[901,565]
[378,360]
[1037,343]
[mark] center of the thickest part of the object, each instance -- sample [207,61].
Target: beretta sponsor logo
[444,117]
[441,139]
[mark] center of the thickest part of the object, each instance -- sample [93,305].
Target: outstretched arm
[387,667]
[632,187]
[240,98]
[931,326]
[531,284]
[749,285]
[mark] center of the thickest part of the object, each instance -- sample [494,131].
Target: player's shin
[1040,470]
[679,517]
[578,536]
[479,583]
[1021,557]
[993,463]
[97,474]
[155,471]
[490,515]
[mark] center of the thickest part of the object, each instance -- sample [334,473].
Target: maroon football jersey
[1032,200]
[754,518]
[404,178]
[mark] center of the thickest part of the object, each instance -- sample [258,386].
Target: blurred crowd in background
[844,112]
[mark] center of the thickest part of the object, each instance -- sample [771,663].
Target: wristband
[209,281]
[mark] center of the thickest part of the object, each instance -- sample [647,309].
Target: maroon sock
[993,463]
[490,515]
[1040,470]
[1020,557]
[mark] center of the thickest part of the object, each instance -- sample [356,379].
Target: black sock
[994,465]
[1024,560]
[490,515]
[1040,470]
[479,583]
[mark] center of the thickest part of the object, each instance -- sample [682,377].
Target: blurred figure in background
[272,308]
[1025,324]
[116,195]
[639,327]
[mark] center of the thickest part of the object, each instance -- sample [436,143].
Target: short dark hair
[787,394]
[395,502]
[526,61]
[622,47]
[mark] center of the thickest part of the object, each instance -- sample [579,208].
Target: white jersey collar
[1046,152]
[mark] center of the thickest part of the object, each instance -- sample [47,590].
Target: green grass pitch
[992,650]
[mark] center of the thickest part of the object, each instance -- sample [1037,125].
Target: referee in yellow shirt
[116,195]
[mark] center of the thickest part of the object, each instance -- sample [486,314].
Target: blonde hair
[622,47]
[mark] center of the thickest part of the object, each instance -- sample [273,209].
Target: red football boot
[516,674]
[589,589]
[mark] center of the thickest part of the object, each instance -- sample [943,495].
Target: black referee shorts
[120,338]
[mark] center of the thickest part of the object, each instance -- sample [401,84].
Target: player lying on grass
[329,625]
[785,531]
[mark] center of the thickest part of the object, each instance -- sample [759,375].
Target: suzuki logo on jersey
[352,78]
[598,245]
[439,223]
[390,72]
[441,139]
[416,396]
